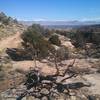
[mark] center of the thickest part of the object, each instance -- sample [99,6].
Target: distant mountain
[61,24]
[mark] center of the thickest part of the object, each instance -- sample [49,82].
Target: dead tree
[38,82]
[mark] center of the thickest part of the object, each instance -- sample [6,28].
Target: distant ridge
[60,22]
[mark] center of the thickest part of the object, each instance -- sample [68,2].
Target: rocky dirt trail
[10,42]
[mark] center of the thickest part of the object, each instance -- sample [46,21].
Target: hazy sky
[52,9]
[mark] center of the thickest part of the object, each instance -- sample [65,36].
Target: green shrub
[6,20]
[35,42]
[81,37]
[54,39]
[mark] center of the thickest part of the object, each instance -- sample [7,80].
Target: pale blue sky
[52,9]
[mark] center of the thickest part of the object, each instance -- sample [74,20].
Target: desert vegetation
[9,26]
[49,64]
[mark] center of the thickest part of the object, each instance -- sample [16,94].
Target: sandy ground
[26,65]
[94,79]
[10,42]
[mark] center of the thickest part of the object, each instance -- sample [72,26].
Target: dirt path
[10,42]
